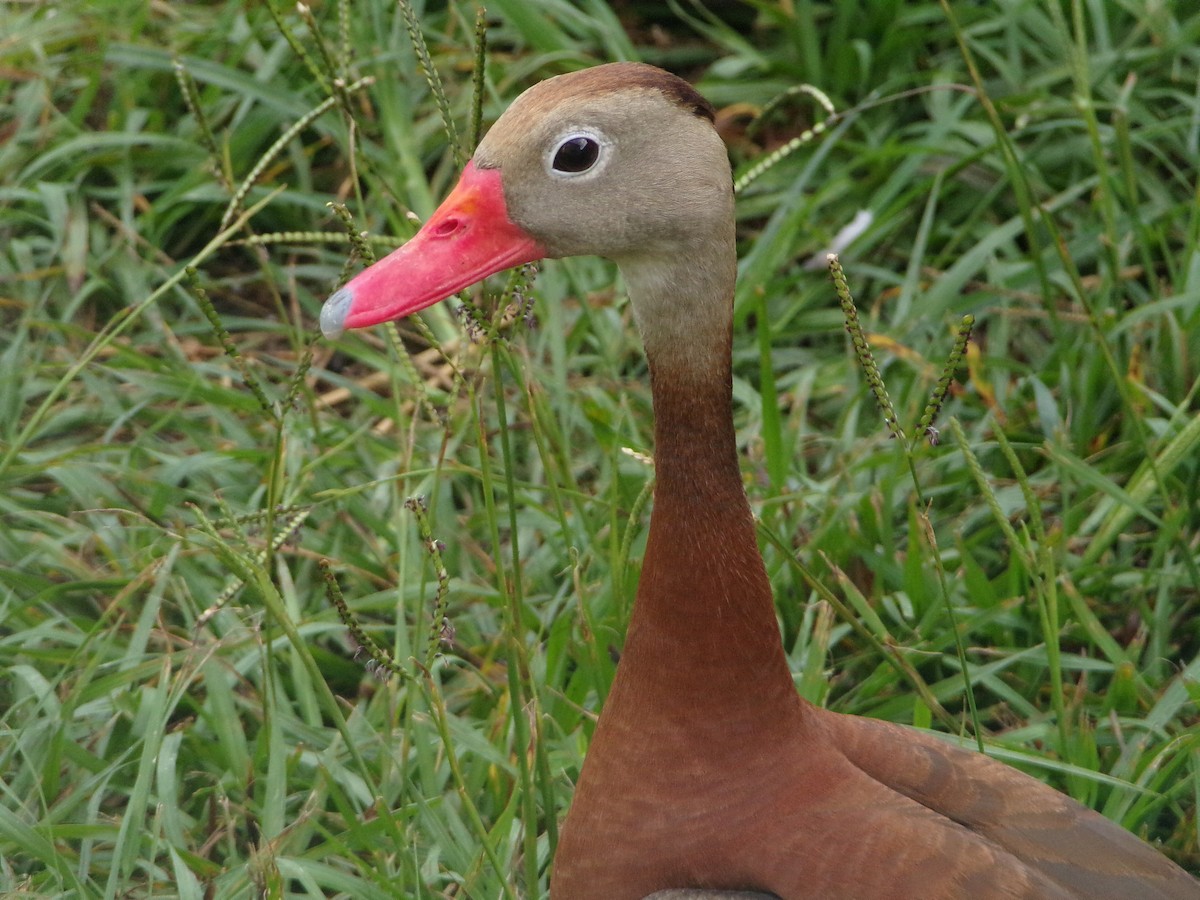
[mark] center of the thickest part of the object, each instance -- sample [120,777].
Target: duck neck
[704,616]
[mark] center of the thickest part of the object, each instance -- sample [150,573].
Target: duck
[708,776]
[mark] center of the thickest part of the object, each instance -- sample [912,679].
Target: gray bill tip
[333,313]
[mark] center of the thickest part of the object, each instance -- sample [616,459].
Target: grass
[183,713]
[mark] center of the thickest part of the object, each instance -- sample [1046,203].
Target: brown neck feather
[704,616]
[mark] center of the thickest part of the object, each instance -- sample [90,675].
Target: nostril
[448,226]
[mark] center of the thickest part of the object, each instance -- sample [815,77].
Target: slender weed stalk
[226,341]
[320,76]
[296,383]
[293,519]
[761,166]
[358,240]
[434,80]
[441,630]
[289,135]
[334,64]
[941,390]
[862,349]
[191,97]
[866,361]
[479,73]
[379,659]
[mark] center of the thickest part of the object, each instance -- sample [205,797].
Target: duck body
[707,771]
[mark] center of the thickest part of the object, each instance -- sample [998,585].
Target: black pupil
[577,154]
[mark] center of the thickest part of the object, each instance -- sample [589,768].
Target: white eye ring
[578,153]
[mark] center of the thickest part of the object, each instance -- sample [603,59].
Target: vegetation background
[183,713]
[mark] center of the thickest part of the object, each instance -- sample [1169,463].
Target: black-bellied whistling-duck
[707,771]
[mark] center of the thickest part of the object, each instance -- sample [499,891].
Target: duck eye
[576,154]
